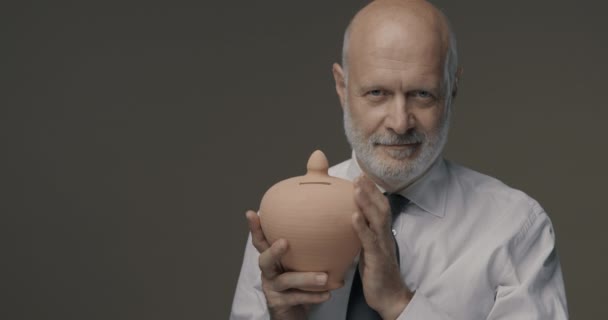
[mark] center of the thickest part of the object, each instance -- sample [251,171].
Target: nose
[398,117]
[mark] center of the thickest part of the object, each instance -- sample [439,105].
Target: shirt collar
[429,192]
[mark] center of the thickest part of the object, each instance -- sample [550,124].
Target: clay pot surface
[313,213]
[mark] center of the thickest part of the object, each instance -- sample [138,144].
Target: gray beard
[399,171]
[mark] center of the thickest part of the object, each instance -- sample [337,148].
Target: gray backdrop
[136,134]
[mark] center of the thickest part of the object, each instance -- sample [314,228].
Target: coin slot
[325,183]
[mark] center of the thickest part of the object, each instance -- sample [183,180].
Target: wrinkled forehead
[398,38]
[395,45]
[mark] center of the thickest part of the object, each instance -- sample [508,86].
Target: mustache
[408,138]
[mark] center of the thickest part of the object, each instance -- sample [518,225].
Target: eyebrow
[368,87]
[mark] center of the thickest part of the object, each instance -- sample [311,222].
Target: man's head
[396,85]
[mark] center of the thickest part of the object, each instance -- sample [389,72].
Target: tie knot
[397,202]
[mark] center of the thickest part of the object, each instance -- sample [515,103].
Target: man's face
[394,113]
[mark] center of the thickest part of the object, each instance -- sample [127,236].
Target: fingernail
[321,278]
[282,245]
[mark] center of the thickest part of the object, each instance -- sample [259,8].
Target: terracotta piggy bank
[313,213]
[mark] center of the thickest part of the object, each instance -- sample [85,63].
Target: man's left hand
[383,287]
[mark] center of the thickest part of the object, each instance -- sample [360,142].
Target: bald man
[464,246]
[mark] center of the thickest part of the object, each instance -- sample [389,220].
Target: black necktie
[357,307]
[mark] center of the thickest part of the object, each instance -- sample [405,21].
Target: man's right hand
[284,291]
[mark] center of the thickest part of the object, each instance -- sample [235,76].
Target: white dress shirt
[470,247]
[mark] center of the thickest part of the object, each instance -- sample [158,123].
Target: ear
[340,82]
[459,72]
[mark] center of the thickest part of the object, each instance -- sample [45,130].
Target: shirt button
[394,232]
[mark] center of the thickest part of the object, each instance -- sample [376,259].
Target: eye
[375,92]
[423,94]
